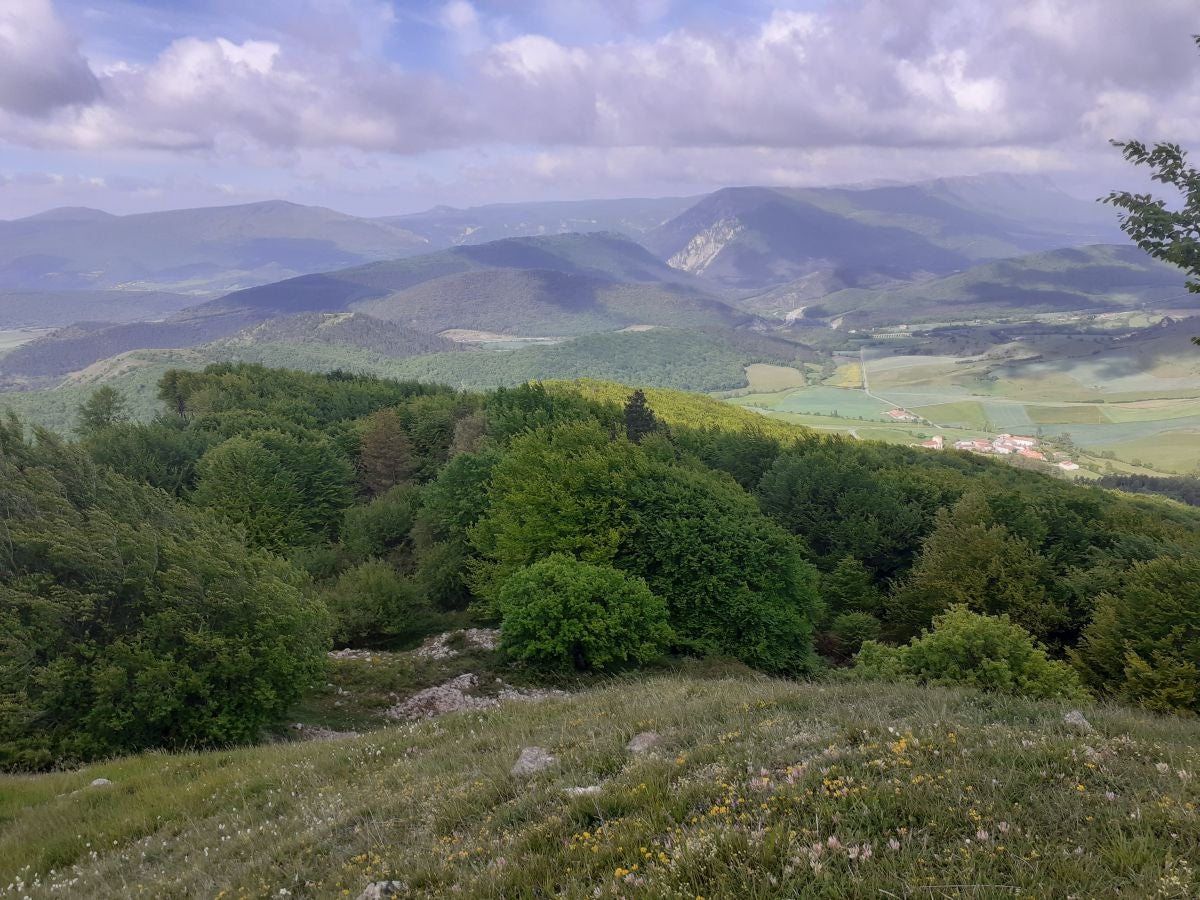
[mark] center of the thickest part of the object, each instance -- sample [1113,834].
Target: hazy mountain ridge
[1100,277]
[564,284]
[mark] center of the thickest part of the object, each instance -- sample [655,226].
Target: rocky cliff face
[704,247]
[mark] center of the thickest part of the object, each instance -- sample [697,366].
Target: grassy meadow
[757,788]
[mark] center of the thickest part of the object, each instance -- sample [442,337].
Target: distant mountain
[351,330]
[1099,278]
[564,284]
[755,237]
[49,309]
[195,251]
[445,226]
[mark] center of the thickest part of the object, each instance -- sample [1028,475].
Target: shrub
[852,629]
[562,614]
[129,621]
[1143,644]
[374,528]
[965,648]
[373,601]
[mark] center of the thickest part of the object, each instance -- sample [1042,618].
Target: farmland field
[1136,397]
[1067,415]
[764,378]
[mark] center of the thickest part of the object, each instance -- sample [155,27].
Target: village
[1001,445]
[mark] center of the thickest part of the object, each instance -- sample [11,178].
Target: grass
[759,788]
[1067,415]
[963,413]
[1172,451]
[766,378]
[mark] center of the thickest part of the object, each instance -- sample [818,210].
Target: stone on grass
[532,760]
[642,741]
[380,890]
[100,782]
[1075,719]
[589,790]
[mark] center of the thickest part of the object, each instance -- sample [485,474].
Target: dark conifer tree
[639,418]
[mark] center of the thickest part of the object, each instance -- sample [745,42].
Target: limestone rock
[100,782]
[1075,719]
[642,741]
[533,760]
[380,890]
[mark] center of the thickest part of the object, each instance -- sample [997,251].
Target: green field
[960,413]
[1067,415]
[765,378]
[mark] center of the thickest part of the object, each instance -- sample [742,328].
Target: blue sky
[384,106]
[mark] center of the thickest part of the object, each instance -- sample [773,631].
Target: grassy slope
[759,788]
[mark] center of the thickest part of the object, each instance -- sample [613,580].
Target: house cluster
[902,415]
[1003,445]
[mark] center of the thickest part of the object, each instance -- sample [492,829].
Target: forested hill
[559,285]
[372,512]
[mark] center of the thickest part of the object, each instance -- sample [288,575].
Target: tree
[385,453]
[103,409]
[284,490]
[1172,235]
[1143,644]
[849,588]
[129,620]
[562,614]
[639,419]
[969,559]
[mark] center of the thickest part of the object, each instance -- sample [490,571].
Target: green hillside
[757,788]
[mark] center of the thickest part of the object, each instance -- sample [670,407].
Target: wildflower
[833,843]
[893,844]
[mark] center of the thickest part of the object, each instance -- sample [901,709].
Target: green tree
[375,528]
[970,560]
[991,653]
[104,408]
[129,620]
[639,418]
[286,492]
[562,614]
[735,583]
[1143,644]
[850,588]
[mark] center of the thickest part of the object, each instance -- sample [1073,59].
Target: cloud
[857,89]
[41,68]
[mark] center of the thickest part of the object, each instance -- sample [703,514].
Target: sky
[378,107]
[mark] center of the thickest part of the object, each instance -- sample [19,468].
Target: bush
[129,621]
[1143,644]
[372,529]
[852,629]
[373,601]
[562,614]
[965,648]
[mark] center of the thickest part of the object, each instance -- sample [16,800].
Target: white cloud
[41,68]
[861,89]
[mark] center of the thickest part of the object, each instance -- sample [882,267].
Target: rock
[438,646]
[589,790]
[1076,720]
[379,890]
[100,782]
[642,741]
[452,696]
[531,760]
